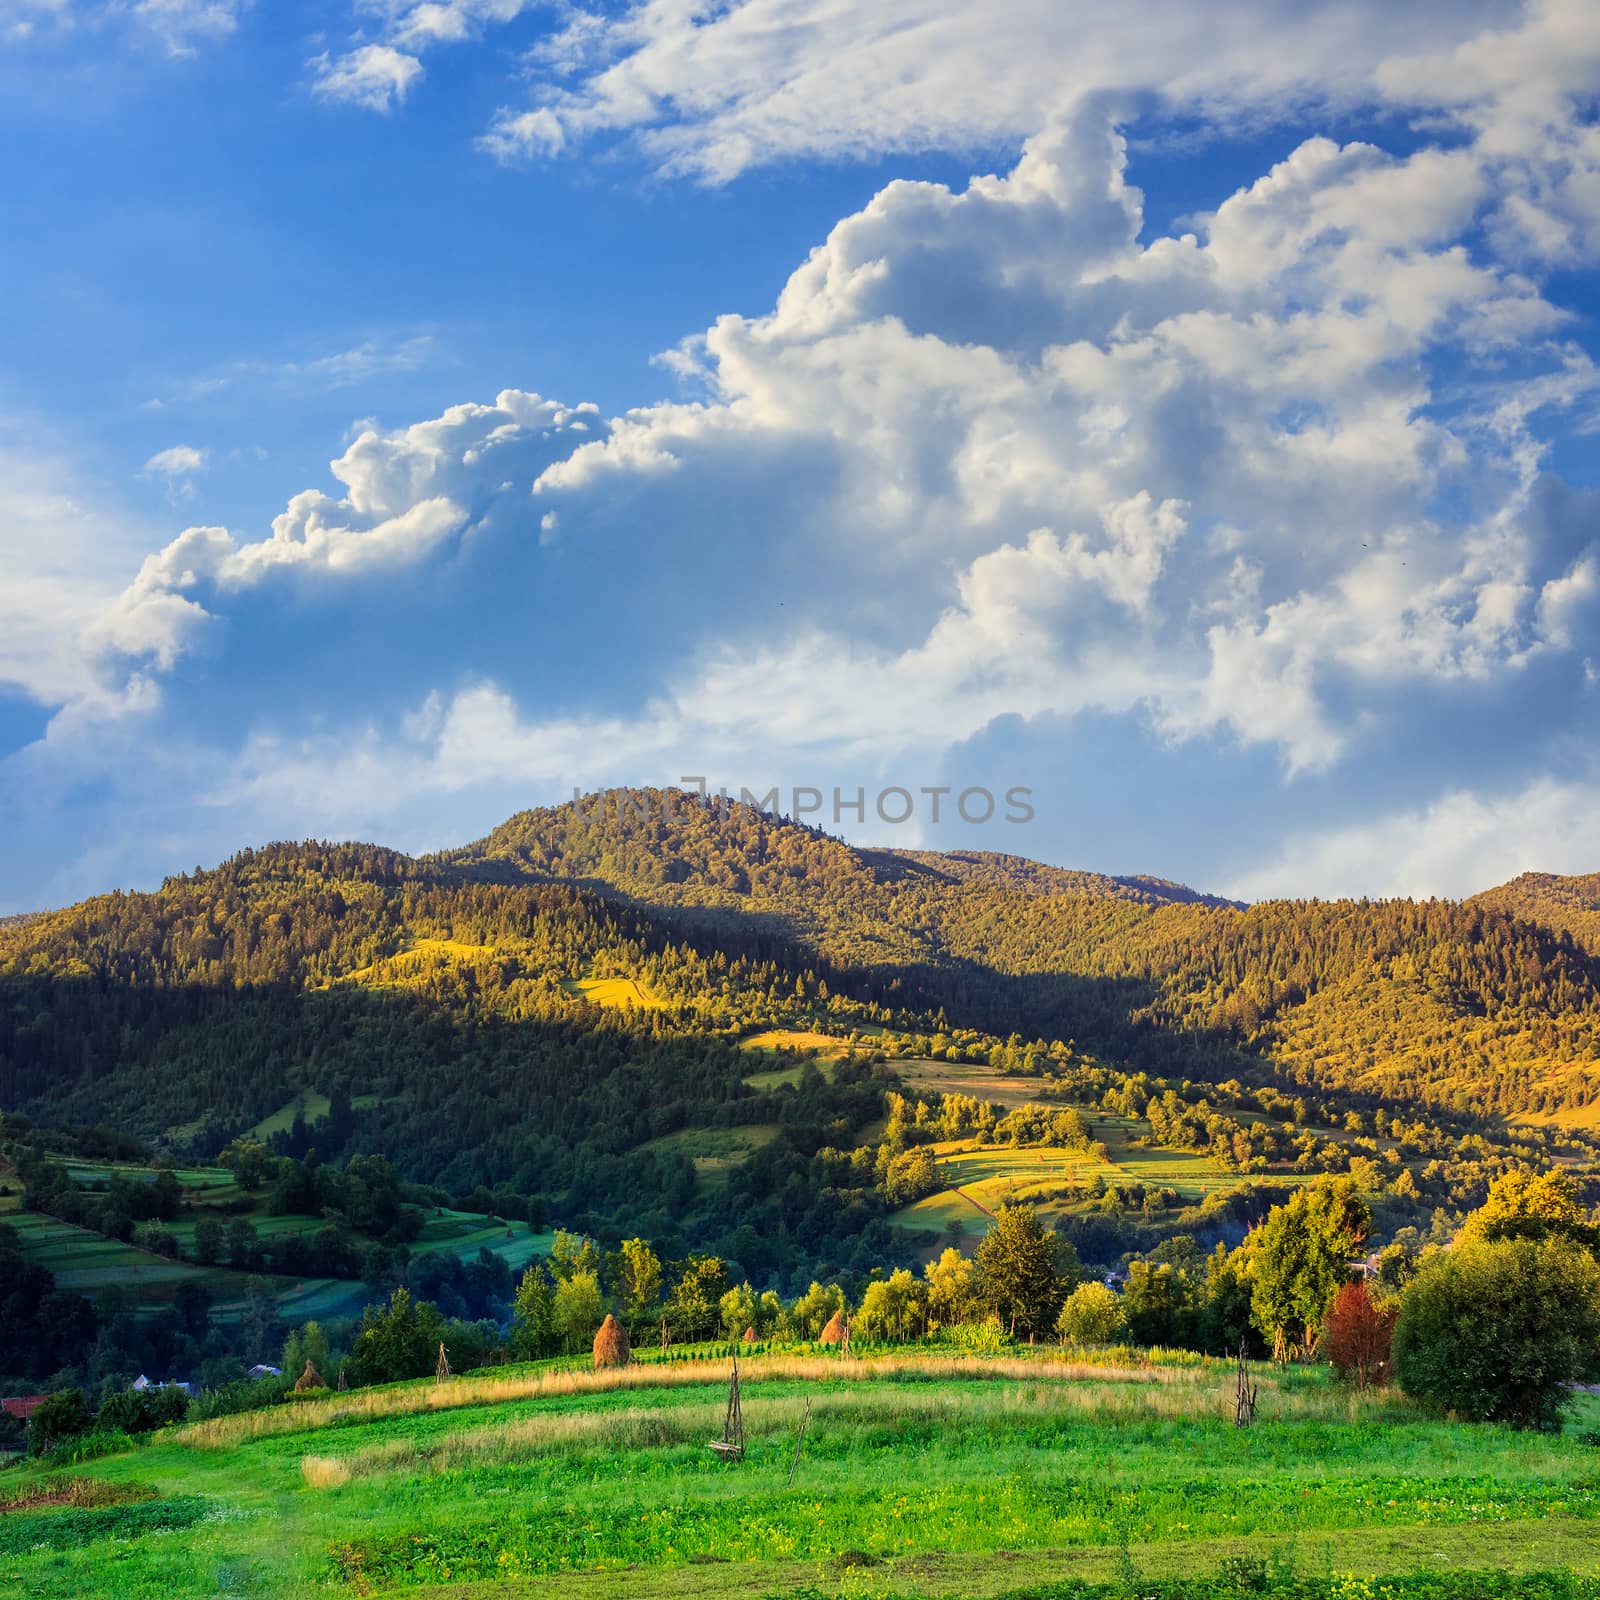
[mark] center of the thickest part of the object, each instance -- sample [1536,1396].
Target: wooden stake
[805,1417]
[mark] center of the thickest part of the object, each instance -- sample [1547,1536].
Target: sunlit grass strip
[640,1428]
[403,1399]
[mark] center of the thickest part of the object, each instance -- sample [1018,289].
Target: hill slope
[556,1011]
[1564,905]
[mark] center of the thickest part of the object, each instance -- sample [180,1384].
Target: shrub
[62,1416]
[1496,1330]
[1092,1315]
[1359,1335]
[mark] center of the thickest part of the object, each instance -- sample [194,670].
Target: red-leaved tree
[1358,1334]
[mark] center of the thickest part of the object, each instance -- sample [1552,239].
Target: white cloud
[1460,843]
[182,25]
[716,90]
[995,451]
[376,77]
[379,75]
[407,492]
[1199,476]
[63,558]
[180,461]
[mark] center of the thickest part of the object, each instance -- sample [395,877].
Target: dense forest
[446,1008]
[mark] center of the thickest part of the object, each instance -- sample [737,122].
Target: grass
[621,993]
[981,1178]
[309,1104]
[88,1262]
[716,1151]
[772,1040]
[964,1077]
[920,1475]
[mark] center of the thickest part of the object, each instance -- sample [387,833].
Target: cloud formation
[1278,487]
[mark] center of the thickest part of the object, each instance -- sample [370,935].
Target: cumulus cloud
[376,77]
[406,492]
[998,452]
[64,559]
[1199,476]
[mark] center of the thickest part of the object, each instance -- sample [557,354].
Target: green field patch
[716,1151]
[415,959]
[84,1261]
[205,1185]
[777,1077]
[65,1529]
[308,1104]
[465,1233]
[621,993]
[920,1476]
[773,1040]
[980,1081]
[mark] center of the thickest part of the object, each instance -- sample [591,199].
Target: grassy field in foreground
[917,1477]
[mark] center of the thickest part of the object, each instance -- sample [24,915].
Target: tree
[252,1162]
[578,1309]
[395,1341]
[638,1281]
[1158,1303]
[533,1315]
[1091,1314]
[1497,1330]
[210,1241]
[1225,1311]
[1359,1332]
[812,1310]
[696,1298]
[570,1254]
[739,1309]
[1301,1255]
[1522,1206]
[893,1308]
[62,1415]
[949,1288]
[307,1343]
[1021,1273]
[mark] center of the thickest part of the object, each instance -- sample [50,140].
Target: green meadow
[919,1475]
[87,1262]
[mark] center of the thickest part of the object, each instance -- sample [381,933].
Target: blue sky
[411,411]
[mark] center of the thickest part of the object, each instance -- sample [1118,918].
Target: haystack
[750,1336]
[837,1330]
[611,1347]
[309,1379]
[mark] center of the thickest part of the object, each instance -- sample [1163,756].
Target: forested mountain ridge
[1570,904]
[552,1012]
[997,871]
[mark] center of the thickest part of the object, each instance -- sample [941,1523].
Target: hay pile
[309,1379]
[837,1330]
[611,1347]
[750,1336]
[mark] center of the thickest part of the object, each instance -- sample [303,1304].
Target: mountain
[1564,905]
[564,1019]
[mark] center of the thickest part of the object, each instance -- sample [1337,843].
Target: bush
[1092,1315]
[1359,1334]
[1496,1330]
[244,1394]
[62,1416]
